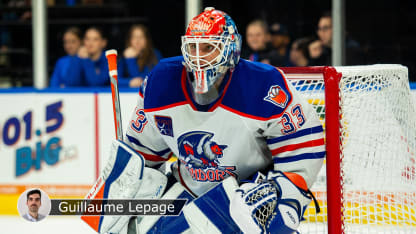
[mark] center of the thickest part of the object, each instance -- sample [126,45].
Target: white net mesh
[378,144]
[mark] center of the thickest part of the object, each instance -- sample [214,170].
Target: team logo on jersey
[164,124]
[201,156]
[277,96]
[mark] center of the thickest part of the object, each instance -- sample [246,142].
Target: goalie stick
[97,190]
[112,68]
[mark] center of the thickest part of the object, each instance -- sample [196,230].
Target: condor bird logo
[199,150]
[277,96]
[200,154]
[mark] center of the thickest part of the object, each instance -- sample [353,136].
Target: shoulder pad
[258,91]
[163,84]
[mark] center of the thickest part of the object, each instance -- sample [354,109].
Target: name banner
[165,207]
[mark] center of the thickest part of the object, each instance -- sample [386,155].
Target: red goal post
[331,80]
[367,113]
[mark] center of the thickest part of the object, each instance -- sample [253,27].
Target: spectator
[354,54]
[139,57]
[315,47]
[94,62]
[280,40]
[68,70]
[299,54]
[5,38]
[315,52]
[4,46]
[258,38]
[324,32]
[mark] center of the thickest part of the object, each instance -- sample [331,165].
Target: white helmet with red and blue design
[210,47]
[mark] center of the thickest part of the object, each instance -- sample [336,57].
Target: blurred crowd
[273,44]
[85,65]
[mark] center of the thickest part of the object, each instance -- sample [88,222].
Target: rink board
[80,122]
[55,140]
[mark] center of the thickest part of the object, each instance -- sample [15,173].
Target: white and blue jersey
[258,120]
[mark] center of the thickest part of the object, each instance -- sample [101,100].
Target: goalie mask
[210,47]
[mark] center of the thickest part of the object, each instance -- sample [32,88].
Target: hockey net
[369,119]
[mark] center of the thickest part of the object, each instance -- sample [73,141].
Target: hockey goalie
[248,146]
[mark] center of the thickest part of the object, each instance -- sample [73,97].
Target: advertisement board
[57,141]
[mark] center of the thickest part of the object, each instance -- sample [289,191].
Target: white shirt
[29,217]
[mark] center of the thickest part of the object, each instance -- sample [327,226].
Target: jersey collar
[186,88]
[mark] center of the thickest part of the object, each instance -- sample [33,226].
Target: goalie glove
[274,205]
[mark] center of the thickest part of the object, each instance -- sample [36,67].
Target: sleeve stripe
[292,147]
[300,157]
[298,140]
[137,142]
[154,158]
[314,149]
[296,134]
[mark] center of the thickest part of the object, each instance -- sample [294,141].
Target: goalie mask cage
[368,181]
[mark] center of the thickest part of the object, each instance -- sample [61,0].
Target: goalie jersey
[258,120]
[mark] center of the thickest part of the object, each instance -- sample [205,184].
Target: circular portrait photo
[34,205]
